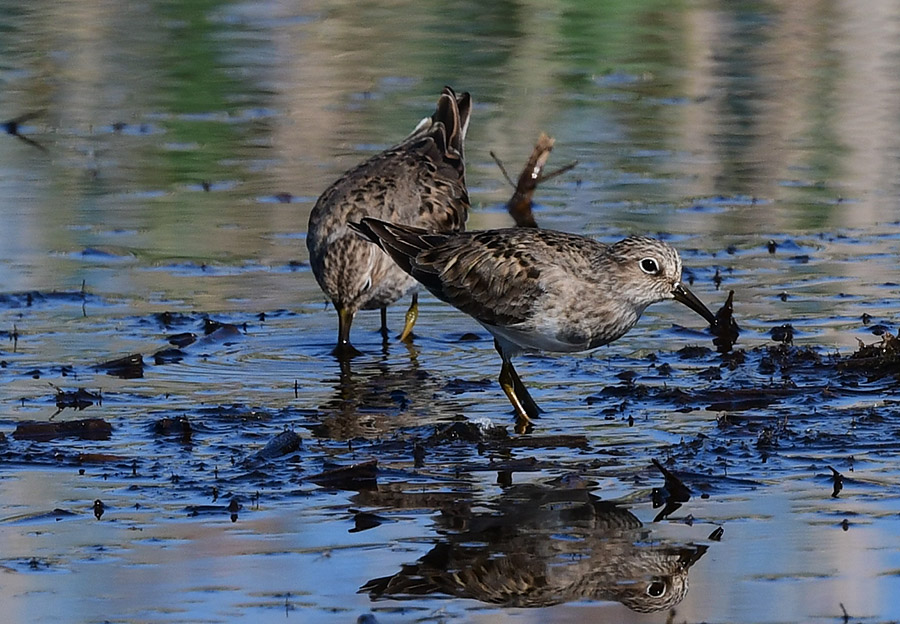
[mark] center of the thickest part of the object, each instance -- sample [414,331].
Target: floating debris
[838,482]
[76,399]
[362,476]
[575,441]
[673,493]
[743,399]
[86,429]
[783,334]
[466,431]
[168,356]
[185,343]
[725,328]
[232,508]
[210,325]
[183,339]
[693,352]
[364,520]
[889,346]
[284,443]
[768,438]
[174,426]
[169,319]
[126,367]
[877,360]
[218,333]
[99,458]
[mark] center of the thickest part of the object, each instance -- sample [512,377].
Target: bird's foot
[345,351]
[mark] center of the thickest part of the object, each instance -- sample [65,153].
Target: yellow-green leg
[531,408]
[412,315]
[525,407]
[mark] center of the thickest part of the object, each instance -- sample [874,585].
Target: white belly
[514,341]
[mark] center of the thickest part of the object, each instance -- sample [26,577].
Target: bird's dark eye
[656,588]
[650,266]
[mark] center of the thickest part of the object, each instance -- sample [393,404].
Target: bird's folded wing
[492,279]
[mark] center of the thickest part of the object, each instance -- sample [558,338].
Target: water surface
[181,148]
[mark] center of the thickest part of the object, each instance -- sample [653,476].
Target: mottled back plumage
[419,182]
[570,292]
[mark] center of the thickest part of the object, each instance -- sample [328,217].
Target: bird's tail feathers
[453,111]
[448,126]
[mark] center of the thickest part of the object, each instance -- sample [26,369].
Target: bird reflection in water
[374,395]
[542,547]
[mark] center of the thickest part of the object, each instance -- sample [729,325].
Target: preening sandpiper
[419,182]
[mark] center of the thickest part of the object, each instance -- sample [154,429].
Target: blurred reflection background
[702,118]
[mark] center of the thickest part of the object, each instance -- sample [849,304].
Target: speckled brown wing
[420,181]
[495,276]
[491,275]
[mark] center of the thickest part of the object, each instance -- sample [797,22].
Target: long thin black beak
[684,295]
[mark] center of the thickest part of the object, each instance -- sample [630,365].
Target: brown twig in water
[11,127]
[519,205]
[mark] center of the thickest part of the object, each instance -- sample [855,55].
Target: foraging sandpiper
[538,289]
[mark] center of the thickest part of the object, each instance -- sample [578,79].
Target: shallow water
[176,168]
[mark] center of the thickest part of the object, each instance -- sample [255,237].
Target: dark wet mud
[645,465]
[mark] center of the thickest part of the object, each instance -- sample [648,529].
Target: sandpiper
[538,289]
[419,182]
[535,547]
